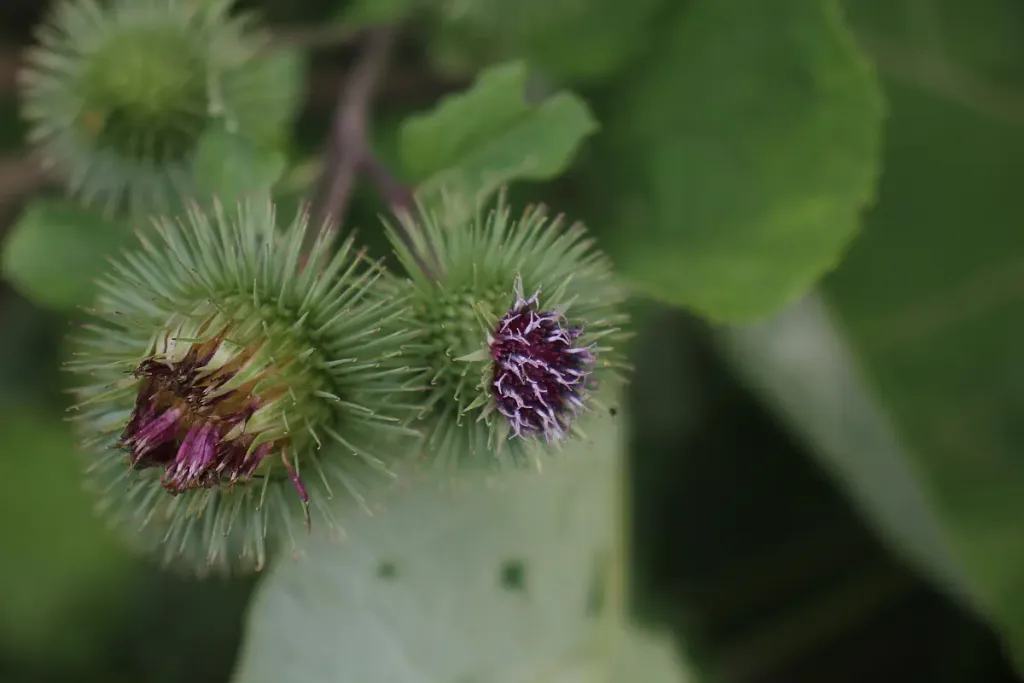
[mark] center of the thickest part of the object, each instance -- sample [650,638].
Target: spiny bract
[227,384]
[118,94]
[523,325]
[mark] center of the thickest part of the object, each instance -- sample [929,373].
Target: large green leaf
[929,297]
[928,300]
[56,250]
[565,39]
[981,39]
[474,142]
[737,159]
[481,580]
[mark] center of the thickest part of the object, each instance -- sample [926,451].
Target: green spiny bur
[118,95]
[214,328]
[480,263]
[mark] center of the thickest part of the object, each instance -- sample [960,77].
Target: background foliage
[817,204]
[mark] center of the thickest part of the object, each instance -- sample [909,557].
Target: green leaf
[231,166]
[486,579]
[56,551]
[801,365]
[626,655]
[56,250]
[472,143]
[928,303]
[929,299]
[983,37]
[737,160]
[567,40]
[273,89]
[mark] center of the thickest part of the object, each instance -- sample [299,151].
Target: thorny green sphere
[226,390]
[523,327]
[151,106]
[119,94]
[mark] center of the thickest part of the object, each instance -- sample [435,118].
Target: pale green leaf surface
[231,167]
[443,614]
[55,250]
[738,158]
[474,142]
[629,655]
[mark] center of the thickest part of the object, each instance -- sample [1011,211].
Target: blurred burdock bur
[118,96]
[499,580]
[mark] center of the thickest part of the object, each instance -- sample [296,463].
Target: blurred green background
[762,540]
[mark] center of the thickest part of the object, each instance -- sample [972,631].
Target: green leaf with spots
[56,249]
[494,579]
[474,142]
[737,160]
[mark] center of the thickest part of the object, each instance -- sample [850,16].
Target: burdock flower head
[118,94]
[195,415]
[523,330]
[539,373]
[230,390]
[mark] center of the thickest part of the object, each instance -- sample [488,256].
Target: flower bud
[229,391]
[118,94]
[523,325]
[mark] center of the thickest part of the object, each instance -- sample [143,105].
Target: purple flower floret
[540,374]
[185,423]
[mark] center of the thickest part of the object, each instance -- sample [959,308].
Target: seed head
[195,421]
[227,393]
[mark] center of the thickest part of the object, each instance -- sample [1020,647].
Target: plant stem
[349,154]
[349,143]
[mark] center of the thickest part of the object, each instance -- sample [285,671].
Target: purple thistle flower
[539,374]
[185,424]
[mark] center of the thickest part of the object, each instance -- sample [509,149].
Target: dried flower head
[228,392]
[508,374]
[118,94]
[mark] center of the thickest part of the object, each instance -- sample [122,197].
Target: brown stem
[349,141]
[349,154]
